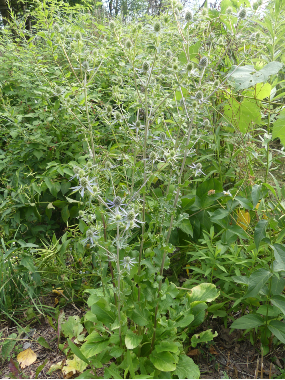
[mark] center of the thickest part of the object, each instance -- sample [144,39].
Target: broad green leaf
[279,301]
[247,322]
[38,153]
[256,194]
[167,346]
[102,314]
[132,340]
[8,346]
[65,213]
[77,351]
[278,329]
[277,285]
[204,293]
[205,336]
[256,281]
[163,361]
[278,130]
[141,317]
[41,340]
[28,263]
[271,311]
[186,368]
[279,254]
[90,348]
[262,90]
[184,322]
[186,227]
[260,232]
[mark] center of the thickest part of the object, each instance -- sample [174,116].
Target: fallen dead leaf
[73,366]
[26,358]
[194,352]
[213,351]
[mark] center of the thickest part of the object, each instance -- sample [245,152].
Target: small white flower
[128,263]
[197,168]
[227,193]
[84,184]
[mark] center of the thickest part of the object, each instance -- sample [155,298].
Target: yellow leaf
[26,358]
[243,219]
[187,270]
[58,291]
[74,365]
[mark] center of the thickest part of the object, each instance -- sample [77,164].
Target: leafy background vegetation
[136,150]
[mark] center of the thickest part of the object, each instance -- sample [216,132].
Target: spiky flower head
[199,166]
[56,28]
[255,5]
[128,44]
[204,12]
[242,14]
[157,27]
[84,181]
[89,164]
[117,201]
[77,36]
[85,65]
[145,67]
[153,156]
[95,190]
[199,95]
[112,25]
[229,10]
[139,26]
[175,66]
[138,124]
[81,173]
[162,136]
[109,108]
[168,54]
[117,115]
[257,35]
[189,66]
[194,131]
[216,83]
[57,90]
[206,123]
[165,19]
[108,165]
[194,104]
[179,6]
[203,62]
[81,213]
[188,16]
[131,215]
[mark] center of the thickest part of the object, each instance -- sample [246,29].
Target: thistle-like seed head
[131,215]
[257,35]
[188,16]
[77,36]
[157,27]
[229,10]
[109,108]
[85,65]
[108,165]
[175,66]
[117,115]
[81,213]
[216,83]
[165,19]
[145,67]
[204,12]
[203,62]
[168,54]
[138,124]
[57,90]
[81,173]
[117,201]
[152,156]
[112,25]
[76,169]
[199,95]
[162,136]
[89,164]
[118,217]
[95,189]
[242,14]
[206,123]
[255,6]
[89,233]
[84,182]
[194,104]
[128,44]
[199,166]
[190,66]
